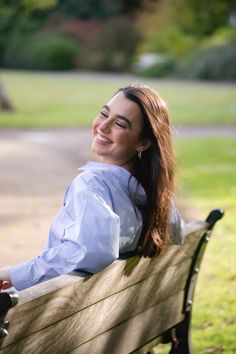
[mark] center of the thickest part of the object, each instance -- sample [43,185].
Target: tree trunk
[5,103]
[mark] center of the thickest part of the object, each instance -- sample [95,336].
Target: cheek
[95,124]
[130,141]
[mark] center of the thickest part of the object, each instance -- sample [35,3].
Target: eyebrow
[119,116]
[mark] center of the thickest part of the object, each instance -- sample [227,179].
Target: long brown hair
[155,169]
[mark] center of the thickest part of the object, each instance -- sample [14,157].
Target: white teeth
[103,139]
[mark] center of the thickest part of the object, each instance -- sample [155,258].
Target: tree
[5,103]
[15,17]
[98,9]
[18,17]
[177,26]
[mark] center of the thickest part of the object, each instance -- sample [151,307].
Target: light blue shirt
[96,222]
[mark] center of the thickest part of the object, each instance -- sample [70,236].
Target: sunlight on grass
[53,100]
[208,168]
[208,171]
[61,99]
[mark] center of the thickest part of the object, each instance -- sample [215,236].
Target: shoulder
[87,186]
[107,181]
[93,182]
[90,180]
[96,174]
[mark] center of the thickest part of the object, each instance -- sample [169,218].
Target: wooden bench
[128,307]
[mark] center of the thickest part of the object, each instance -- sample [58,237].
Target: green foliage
[162,69]
[222,36]
[111,49]
[114,47]
[198,17]
[214,63]
[175,26]
[89,8]
[175,42]
[32,5]
[18,17]
[98,9]
[170,39]
[27,5]
[9,28]
[43,51]
[118,43]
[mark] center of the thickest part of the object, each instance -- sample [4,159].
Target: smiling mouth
[102,139]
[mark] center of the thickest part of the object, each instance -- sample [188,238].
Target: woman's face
[116,132]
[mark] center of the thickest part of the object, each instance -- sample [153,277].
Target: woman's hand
[5,282]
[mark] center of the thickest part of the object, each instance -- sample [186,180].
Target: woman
[123,203]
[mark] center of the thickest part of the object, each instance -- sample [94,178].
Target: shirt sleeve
[177,225]
[90,242]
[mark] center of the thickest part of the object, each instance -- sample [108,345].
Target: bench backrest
[117,310]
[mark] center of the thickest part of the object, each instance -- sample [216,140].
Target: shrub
[214,63]
[161,69]
[43,51]
[114,47]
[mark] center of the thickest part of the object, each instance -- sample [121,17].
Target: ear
[144,145]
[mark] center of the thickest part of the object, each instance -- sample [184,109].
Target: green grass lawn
[58,99]
[207,171]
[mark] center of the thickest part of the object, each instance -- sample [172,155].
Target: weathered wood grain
[103,315]
[137,330]
[192,229]
[72,311]
[118,276]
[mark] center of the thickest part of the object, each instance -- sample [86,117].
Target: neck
[128,165]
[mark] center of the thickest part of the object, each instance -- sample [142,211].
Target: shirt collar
[136,189]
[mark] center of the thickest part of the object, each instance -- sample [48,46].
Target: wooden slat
[137,330]
[70,296]
[193,232]
[84,292]
[194,226]
[103,315]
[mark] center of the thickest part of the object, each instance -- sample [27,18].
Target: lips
[102,139]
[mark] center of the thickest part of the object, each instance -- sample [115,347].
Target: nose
[105,126]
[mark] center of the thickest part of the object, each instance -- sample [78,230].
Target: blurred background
[61,60]
[184,38]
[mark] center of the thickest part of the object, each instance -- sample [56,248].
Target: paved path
[36,168]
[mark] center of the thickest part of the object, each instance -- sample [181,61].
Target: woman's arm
[90,243]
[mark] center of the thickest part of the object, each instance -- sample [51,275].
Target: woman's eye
[121,124]
[104,114]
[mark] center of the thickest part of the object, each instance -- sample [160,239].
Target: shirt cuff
[20,277]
